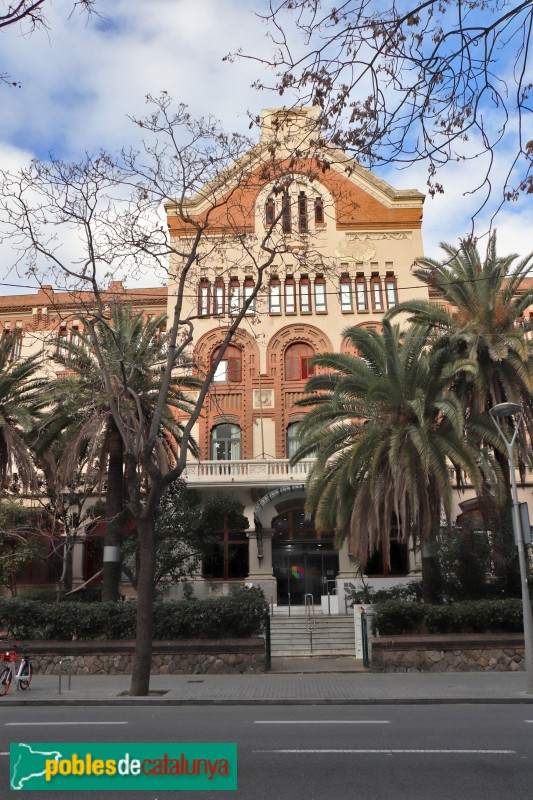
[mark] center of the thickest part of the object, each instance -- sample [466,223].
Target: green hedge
[395,617]
[240,614]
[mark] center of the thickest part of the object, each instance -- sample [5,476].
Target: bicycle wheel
[5,681]
[26,673]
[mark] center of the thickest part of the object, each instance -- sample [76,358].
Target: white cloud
[82,79]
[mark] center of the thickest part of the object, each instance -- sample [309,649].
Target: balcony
[273,472]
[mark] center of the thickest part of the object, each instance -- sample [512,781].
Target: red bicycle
[22,676]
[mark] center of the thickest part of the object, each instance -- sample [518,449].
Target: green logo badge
[165,766]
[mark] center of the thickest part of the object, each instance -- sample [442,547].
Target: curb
[319,701]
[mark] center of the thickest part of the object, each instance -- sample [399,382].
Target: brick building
[42,322]
[348,240]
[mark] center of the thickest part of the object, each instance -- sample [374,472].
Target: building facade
[347,241]
[42,323]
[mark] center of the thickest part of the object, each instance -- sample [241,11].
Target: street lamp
[497,412]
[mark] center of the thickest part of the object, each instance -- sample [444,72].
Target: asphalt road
[444,752]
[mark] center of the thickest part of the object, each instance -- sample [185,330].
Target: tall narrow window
[218,297]
[62,346]
[286,213]
[203,298]
[320,294]
[234,296]
[360,292]
[17,345]
[270,211]
[292,439]
[249,287]
[390,290]
[319,211]
[297,366]
[375,289]
[305,295]
[290,295]
[228,556]
[302,213]
[345,289]
[275,295]
[229,369]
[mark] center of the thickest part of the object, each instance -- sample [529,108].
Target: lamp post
[498,412]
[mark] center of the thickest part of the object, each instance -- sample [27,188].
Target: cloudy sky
[82,77]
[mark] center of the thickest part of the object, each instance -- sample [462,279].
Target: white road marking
[322,722]
[4,754]
[528,720]
[390,751]
[64,723]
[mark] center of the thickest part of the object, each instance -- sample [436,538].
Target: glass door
[300,570]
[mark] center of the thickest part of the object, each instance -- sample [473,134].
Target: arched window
[360,292]
[302,213]
[375,289]
[290,295]
[249,286]
[203,297]
[219,296]
[296,362]
[275,295]
[319,211]
[286,223]
[345,292]
[62,342]
[226,442]
[270,211]
[230,368]
[305,295]
[234,296]
[320,295]
[390,290]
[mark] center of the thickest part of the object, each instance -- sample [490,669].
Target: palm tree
[386,430]
[478,315]
[134,348]
[21,401]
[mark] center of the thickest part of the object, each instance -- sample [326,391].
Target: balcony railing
[247,472]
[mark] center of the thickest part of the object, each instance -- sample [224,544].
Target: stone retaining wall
[448,653]
[224,656]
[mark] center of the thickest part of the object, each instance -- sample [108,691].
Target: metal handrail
[68,662]
[334,592]
[310,619]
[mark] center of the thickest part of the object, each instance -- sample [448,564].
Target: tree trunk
[140,679]
[431,573]
[114,518]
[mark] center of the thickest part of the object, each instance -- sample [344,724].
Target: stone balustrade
[247,472]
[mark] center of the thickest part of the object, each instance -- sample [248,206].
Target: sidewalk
[273,688]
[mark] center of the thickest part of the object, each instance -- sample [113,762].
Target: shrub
[481,616]
[395,617]
[240,614]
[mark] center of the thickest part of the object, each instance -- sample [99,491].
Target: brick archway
[227,402]
[287,393]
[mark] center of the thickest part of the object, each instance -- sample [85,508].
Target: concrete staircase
[333,636]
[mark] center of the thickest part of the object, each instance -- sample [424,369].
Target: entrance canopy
[272,503]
